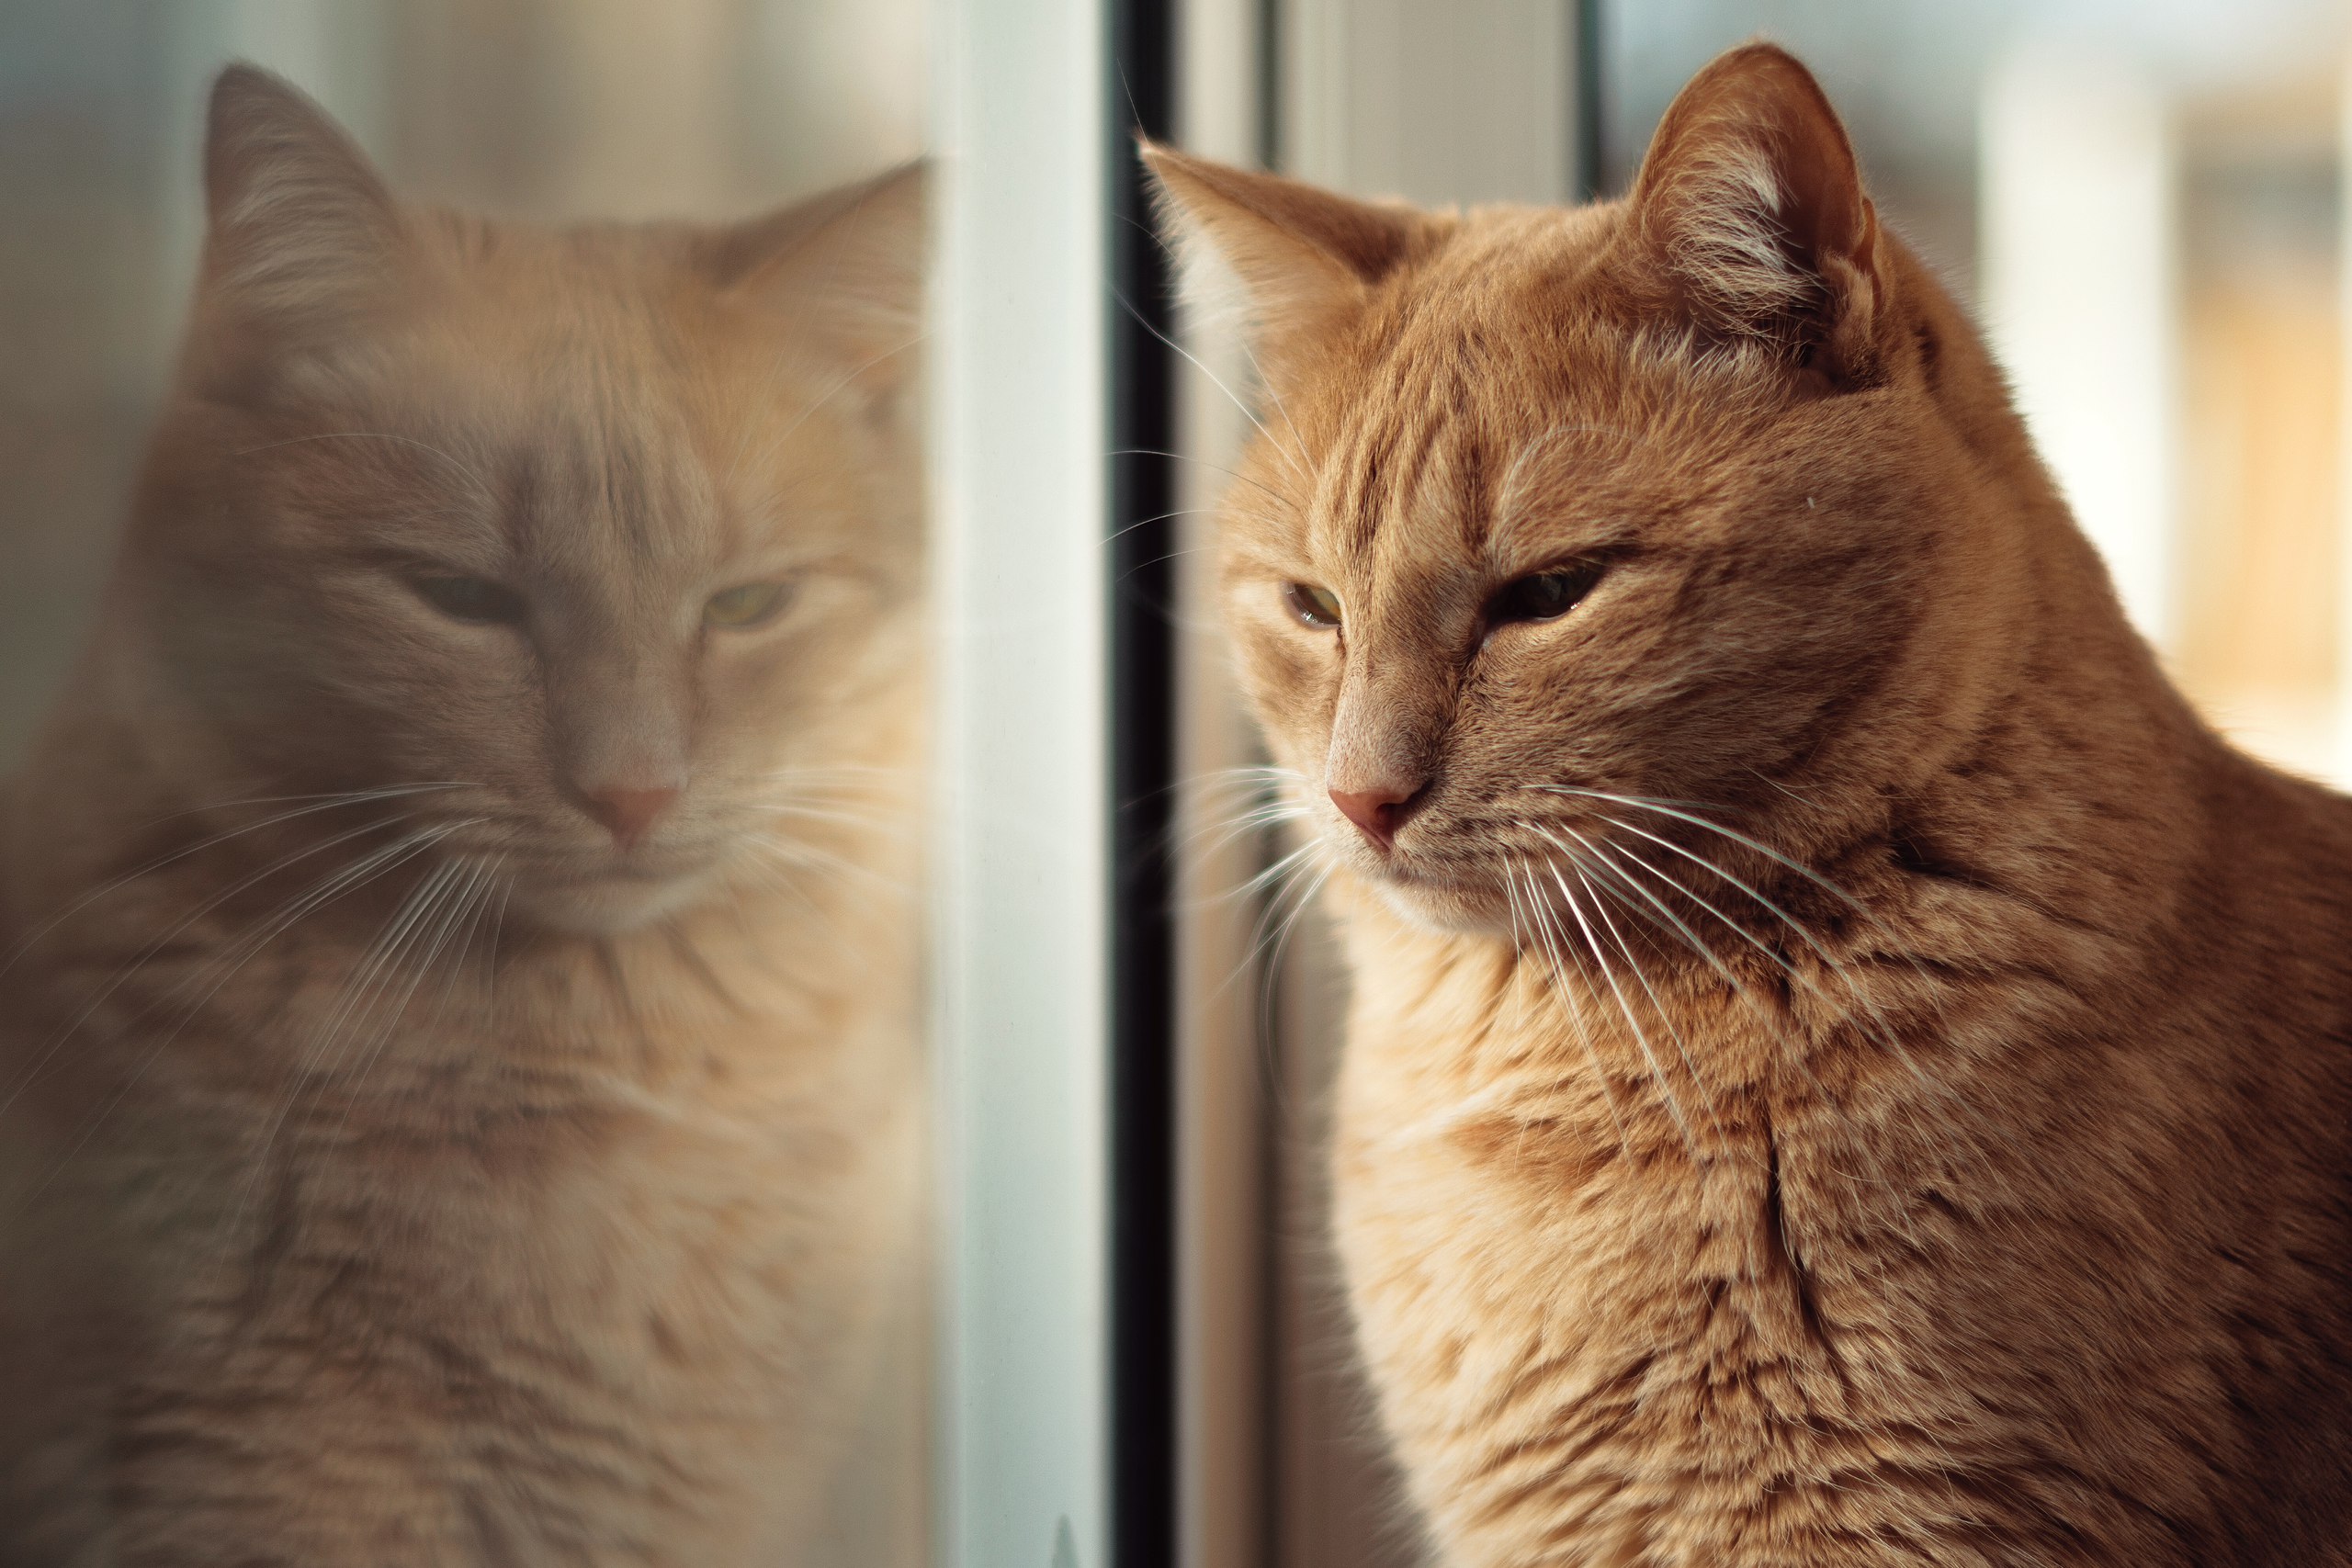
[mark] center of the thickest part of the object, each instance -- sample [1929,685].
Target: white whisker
[1297,462]
[1658,1007]
[1864,1012]
[1667,809]
[313,1067]
[1624,1006]
[1554,943]
[806,857]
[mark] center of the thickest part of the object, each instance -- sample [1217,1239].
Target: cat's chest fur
[564,1122]
[1559,1301]
[624,1208]
[1775,1322]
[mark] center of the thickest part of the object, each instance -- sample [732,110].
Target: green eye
[475,600]
[751,604]
[1317,607]
[1546,596]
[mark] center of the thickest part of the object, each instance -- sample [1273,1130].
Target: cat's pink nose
[1378,811]
[628,814]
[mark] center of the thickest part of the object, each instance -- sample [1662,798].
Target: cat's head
[1693,497]
[604,538]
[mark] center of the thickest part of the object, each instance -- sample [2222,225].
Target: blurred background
[2142,199]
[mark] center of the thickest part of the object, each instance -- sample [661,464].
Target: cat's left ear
[1306,259]
[1750,203]
[844,271]
[303,235]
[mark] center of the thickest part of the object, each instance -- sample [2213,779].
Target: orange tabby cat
[1845,1068]
[458,1029]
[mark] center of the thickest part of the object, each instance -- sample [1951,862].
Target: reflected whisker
[32,1072]
[220,972]
[865,822]
[777,875]
[312,1069]
[461,907]
[322,803]
[798,856]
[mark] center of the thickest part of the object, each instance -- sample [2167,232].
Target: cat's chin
[1445,909]
[608,906]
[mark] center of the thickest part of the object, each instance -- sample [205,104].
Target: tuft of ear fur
[301,228]
[1304,258]
[1750,200]
[847,269]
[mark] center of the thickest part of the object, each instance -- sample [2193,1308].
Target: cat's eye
[475,600]
[1318,607]
[1546,596]
[750,604]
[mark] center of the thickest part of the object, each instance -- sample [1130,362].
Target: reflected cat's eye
[1546,596]
[476,600]
[753,604]
[1314,607]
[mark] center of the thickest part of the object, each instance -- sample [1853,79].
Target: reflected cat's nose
[1378,811]
[628,814]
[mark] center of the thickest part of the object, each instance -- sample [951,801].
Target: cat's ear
[302,231]
[1750,202]
[1292,260]
[844,271]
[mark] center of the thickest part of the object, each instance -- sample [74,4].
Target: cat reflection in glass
[458,1029]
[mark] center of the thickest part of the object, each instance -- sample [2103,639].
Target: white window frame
[1019,383]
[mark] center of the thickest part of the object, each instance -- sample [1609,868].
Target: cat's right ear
[301,230]
[1750,204]
[846,268]
[1292,261]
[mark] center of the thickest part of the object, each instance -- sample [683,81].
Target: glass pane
[462,1086]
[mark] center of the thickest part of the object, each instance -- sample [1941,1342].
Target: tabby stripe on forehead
[1358,512]
[1440,479]
[612,478]
[1389,473]
[626,493]
[1469,496]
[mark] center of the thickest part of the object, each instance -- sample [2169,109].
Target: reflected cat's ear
[302,230]
[1304,258]
[1750,203]
[843,271]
